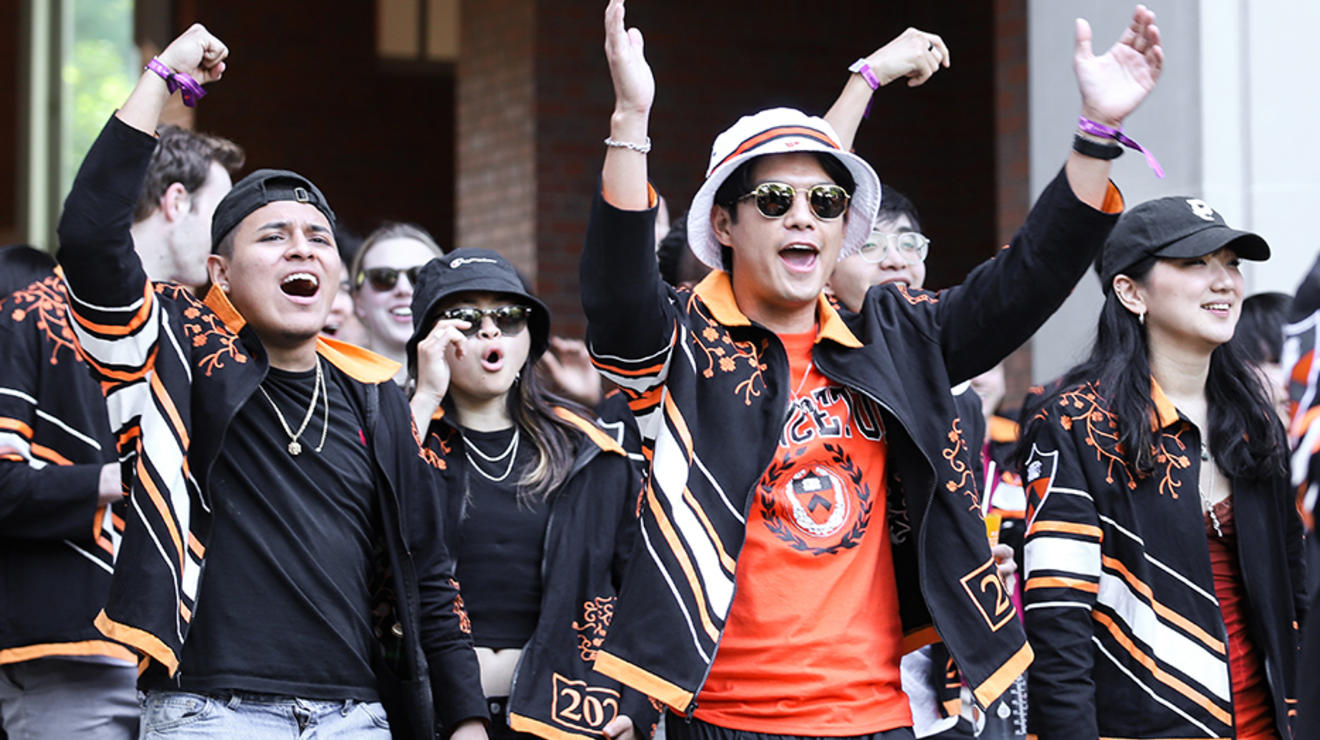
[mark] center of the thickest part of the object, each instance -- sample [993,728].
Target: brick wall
[496,174]
[306,92]
[1012,152]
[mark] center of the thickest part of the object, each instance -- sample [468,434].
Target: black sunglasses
[774,199]
[385,278]
[508,319]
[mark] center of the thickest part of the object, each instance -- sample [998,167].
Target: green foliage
[99,72]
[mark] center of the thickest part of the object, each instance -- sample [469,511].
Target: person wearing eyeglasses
[384,275]
[894,252]
[541,512]
[809,512]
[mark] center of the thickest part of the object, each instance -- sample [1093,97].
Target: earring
[1141,318]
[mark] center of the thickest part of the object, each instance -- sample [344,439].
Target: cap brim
[862,207]
[1247,245]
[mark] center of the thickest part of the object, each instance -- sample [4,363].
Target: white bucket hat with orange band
[780,131]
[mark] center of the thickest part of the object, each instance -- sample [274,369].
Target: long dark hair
[1245,434]
[531,407]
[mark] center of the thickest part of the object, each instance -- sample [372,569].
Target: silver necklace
[510,452]
[1205,500]
[318,390]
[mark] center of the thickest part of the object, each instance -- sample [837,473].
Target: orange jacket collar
[360,364]
[1165,412]
[716,291]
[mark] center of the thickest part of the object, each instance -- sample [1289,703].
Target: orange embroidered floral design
[727,356]
[1085,406]
[923,296]
[204,328]
[963,478]
[424,451]
[596,616]
[1171,454]
[464,621]
[46,303]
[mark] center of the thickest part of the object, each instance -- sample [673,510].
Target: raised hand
[569,366]
[433,368]
[634,85]
[196,53]
[1115,83]
[913,54]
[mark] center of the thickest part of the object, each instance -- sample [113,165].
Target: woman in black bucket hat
[1163,552]
[541,514]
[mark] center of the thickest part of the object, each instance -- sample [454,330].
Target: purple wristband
[862,68]
[1109,132]
[188,87]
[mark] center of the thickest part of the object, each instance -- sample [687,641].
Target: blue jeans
[59,698]
[179,714]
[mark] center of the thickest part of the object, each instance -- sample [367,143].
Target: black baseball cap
[1173,227]
[471,269]
[258,189]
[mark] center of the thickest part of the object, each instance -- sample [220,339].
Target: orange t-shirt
[811,644]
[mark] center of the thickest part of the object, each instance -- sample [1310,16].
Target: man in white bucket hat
[809,513]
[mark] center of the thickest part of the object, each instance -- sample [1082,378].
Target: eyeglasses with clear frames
[909,245]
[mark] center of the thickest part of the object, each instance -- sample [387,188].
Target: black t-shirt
[284,604]
[500,543]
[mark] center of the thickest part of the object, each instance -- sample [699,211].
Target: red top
[812,642]
[1252,709]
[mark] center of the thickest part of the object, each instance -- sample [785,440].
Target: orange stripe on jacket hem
[918,639]
[1057,582]
[1160,674]
[144,641]
[1086,530]
[526,724]
[999,681]
[642,680]
[67,649]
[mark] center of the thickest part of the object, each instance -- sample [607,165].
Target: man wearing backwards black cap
[809,511]
[286,463]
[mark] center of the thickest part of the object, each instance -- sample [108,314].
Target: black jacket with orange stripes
[175,371]
[711,394]
[590,535]
[56,544]
[1120,599]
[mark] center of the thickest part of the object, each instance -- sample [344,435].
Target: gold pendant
[294,447]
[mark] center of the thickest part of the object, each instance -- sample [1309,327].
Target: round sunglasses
[774,199]
[508,319]
[385,278]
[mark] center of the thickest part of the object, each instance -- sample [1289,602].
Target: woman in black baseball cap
[1163,553]
[543,521]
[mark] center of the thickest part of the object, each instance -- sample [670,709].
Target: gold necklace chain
[318,390]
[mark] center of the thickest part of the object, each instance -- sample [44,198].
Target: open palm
[1114,84]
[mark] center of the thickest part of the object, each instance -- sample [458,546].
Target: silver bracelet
[642,148]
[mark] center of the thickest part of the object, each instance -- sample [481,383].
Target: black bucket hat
[1173,227]
[258,189]
[471,270]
